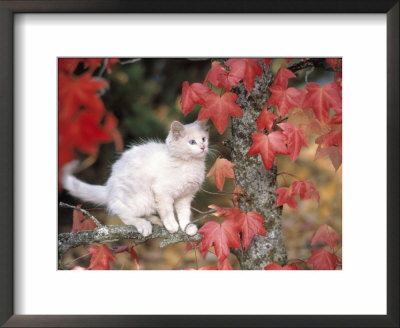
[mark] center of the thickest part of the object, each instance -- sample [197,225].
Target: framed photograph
[147,150]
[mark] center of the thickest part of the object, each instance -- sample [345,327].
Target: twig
[103,68]
[131,61]
[203,216]
[97,222]
[218,192]
[312,62]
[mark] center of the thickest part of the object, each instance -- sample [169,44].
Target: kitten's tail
[90,193]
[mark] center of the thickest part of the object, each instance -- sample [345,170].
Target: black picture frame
[7,11]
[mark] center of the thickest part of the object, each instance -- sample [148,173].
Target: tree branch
[312,62]
[113,233]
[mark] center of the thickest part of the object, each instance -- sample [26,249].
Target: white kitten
[152,178]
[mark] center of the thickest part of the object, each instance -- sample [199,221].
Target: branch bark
[258,183]
[114,233]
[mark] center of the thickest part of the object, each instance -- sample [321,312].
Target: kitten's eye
[192,142]
[204,139]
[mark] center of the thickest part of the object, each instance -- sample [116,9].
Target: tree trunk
[257,183]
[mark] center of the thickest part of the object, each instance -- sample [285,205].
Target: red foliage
[296,139]
[244,69]
[286,99]
[268,146]
[221,169]
[219,109]
[285,196]
[101,257]
[80,222]
[277,266]
[322,260]
[222,236]
[191,95]
[326,234]
[83,120]
[266,119]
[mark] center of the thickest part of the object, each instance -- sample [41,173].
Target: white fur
[152,178]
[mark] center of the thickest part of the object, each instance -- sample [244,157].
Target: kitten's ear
[203,124]
[177,129]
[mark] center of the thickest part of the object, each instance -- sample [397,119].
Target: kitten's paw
[144,228]
[191,229]
[172,227]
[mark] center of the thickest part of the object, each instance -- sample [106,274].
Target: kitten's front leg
[166,211]
[182,207]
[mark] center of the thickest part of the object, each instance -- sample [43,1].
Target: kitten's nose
[202,147]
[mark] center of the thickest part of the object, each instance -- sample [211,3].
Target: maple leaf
[282,77]
[101,257]
[307,119]
[244,69]
[322,260]
[221,169]
[266,61]
[191,95]
[322,99]
[222,236]
[334,62]
[80,222]
[74,93]
[67,65]
[84,132]
[332,138]
[337,118]
[295,139]
[305,189]
[252,223]
[285,99]
[285,197]
[268,146]
[277,266]
[219,109]
[266,119]
[219,77]
[326,234]
[225,265]
[249,224]
[335,155]
[131,251]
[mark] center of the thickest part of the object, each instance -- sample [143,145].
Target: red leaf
[276,266]
[101,257]
[322,99]
[268,146]
[219,109]
[226,265]
[244,69]
[191,95]
[249,224]
[288,60]
[282,77]
[334,62]
[252,224]
[131,251]
[285,197]
[79,92]
[266,61]
[296,138]
[221,169]
[335,155]
[332,138]
[111,126]
[322,260]
[81,222]
[337,118]
[326,234]
[305,189]
[222,236]
[266,119]
[286,99]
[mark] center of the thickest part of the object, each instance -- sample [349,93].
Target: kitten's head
[188,141]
